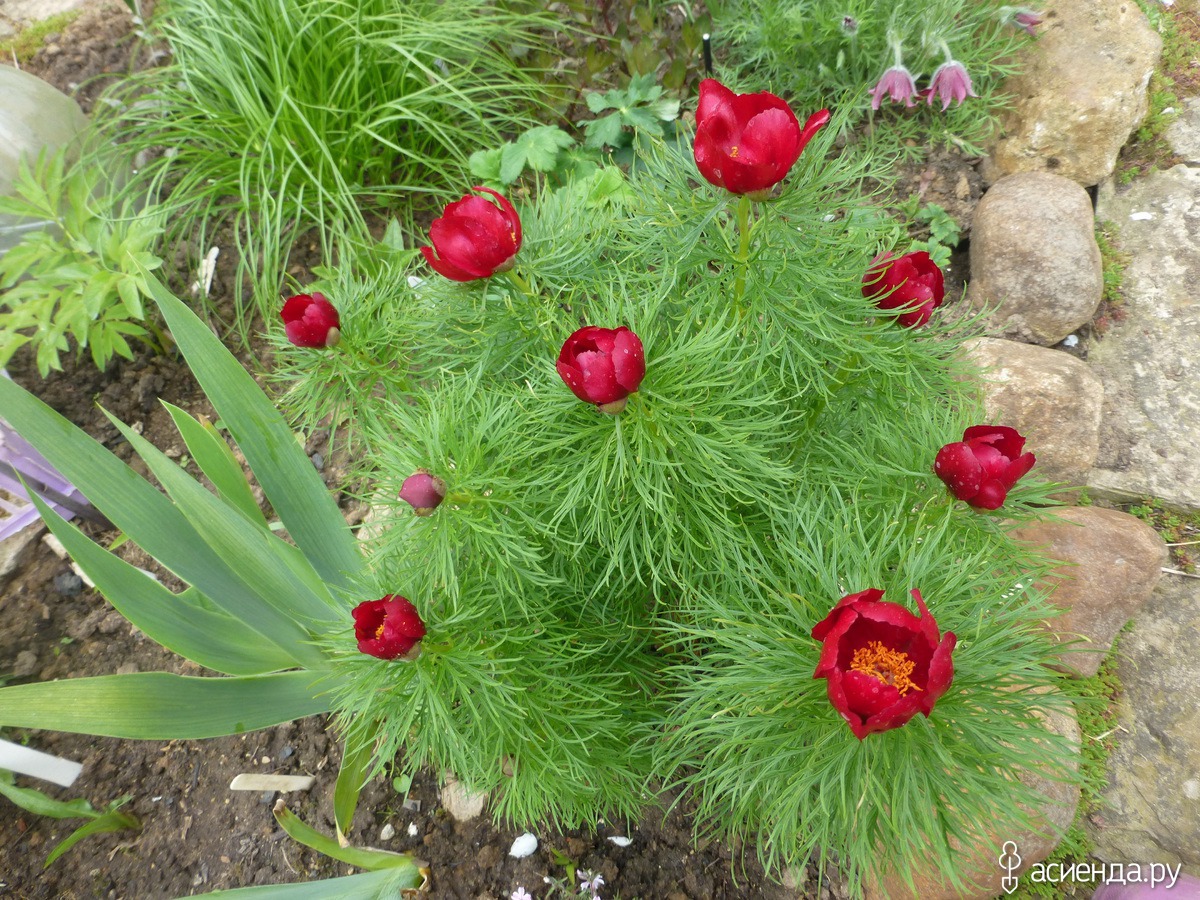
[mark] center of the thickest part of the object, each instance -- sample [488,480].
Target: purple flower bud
[849,25]
[1029,20]
[897,84]
[423,492]
[950,81]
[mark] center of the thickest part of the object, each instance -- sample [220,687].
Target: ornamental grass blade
[356,761]
[185,623]
[384,884]
[149,519]
[360,857]
[254,553]
[288,477]
[159,706]
[217,462]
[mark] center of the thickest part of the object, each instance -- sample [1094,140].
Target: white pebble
[1141,216]
[523,846]
[387,832]
[1070,340]
[412,829]
[621,841]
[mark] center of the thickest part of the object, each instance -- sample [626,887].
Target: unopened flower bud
[423,492]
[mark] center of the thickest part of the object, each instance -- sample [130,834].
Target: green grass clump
[23,46]
[281,117]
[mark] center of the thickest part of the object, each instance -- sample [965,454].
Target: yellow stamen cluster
[733,153]
[379,631]
[889,666]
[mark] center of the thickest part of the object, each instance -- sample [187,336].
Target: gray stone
[978,864]
[1150,811]
[34,116]
[14,549]
[1149,362]
[1080,91]
[1049,396]
[1034,259]
[1183,134]
[1112,563]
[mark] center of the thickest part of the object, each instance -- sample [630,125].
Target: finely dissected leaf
[286,474]
[150,520]
[111,819]
[217,461]
[361,857]
[384,884]
[158,706]
[186,623]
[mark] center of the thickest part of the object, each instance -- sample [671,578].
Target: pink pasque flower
[950,81]
[1027,19]
[897,84]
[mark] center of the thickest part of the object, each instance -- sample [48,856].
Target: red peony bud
[387,628]
[474,238]
[602,365]
[912,282]
[882,664]
[747,143]
[310,320]
[423,492]
[982,468]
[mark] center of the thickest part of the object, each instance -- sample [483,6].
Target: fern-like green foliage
[829,52]
[618,603]
[82,275]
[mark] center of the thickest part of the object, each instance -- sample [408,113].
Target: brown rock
[1080,91]
[1112,561]
[1034,260]
[1049,396]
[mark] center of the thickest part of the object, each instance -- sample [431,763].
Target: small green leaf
[485,164]
[34,801]
[512,163]
[362,858]
[541,146]
[110,820]
[604,132]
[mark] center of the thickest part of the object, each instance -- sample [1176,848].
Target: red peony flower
[474,238]
[912,282]
[882,664]
[982,468]
[603,365]
[746,143]
[309,320]
[387,628]
[423,492]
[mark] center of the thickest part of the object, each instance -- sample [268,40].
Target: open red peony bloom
[309,320]
[982,468]
[746,143]
[603,365]
[474,238]
[387,628]
[882,664]
[912,282]
[423,492]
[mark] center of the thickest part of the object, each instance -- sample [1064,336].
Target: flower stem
[521,284]
[743,254]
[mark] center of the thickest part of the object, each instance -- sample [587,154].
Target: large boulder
[1049,396]
[1034,258]
[1080,91]
[1148,363]
[1150,811]
[1111,563]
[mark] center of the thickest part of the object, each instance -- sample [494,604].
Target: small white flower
[520,894]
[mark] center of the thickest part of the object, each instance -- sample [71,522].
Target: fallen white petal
[523,846]
[621,841]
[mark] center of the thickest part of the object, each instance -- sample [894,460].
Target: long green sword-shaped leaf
[206,636]
[149,519]
[252,551]
[362,857]
[385,884]
[158,706]
[286,474]
[217,461]
[356,760]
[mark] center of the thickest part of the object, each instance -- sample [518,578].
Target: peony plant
[590,607]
